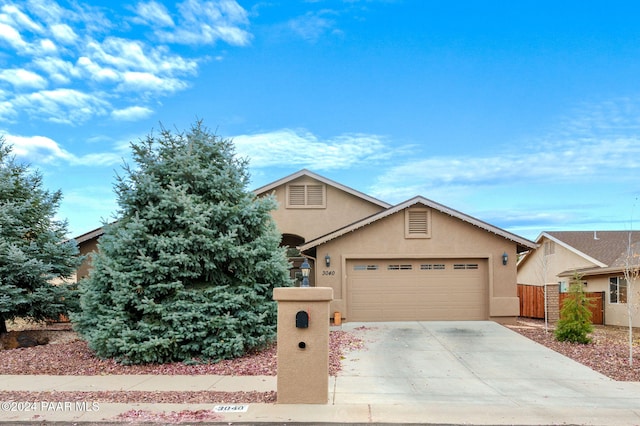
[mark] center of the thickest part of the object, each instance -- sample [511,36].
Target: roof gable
[305,172]
[523,243]
[604,248]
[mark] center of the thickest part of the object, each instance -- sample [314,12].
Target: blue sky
[525,114]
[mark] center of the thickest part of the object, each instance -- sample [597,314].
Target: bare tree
[631,272]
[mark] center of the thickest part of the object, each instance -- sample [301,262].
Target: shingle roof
[523,244]
[608,247]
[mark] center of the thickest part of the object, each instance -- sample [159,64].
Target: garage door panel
[417,289]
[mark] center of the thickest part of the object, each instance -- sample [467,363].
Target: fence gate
[532,302]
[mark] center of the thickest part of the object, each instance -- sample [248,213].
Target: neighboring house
[418,260]
[598,256]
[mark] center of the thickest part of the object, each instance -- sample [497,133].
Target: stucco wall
[615,313]
[341,209]
[450,238]
[86,249]
[538,268]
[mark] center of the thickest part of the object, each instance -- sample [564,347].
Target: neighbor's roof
[94,233]
[603,248]
[523,243]
[305,172]
[628,258]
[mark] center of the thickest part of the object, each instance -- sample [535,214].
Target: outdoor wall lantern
[505,258]
[305,268]
[327,260]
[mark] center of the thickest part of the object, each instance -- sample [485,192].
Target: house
[599,257]
[418,260]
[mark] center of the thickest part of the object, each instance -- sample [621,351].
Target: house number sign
[328,272]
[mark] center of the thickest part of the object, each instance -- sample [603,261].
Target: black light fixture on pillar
[305,268]
[327,260]
[505,258]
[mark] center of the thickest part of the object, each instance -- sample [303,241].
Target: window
[418,223]
[617,290]
[564,287]
[549,247]
[306,196]
[365,267]
[429,266]
[465,266]
[399,267]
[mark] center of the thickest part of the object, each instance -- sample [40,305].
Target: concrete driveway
[459,367]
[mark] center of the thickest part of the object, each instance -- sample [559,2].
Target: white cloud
[97,72]
[37,149]
[299,147]
[13,15]
[58,70]
[144,82]
[12,37]
[66,106]
[206,22]
[134,56]
[566,162]
[72,51]
[47,46]
[312,25]
[133,113]
[64,33]
[154,14]
[21,79]
[598,143]
[43,150]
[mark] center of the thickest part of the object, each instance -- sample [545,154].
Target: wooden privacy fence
[532,302]
[597,308]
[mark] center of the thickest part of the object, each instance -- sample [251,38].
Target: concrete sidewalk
[429,373]
[437,411]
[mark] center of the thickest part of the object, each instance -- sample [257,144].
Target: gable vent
[418,223]
[306,196]
[315,195]
[296,195]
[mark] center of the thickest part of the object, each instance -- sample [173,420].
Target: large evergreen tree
[187,270]
[33,251]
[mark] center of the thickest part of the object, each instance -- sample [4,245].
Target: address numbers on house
[331,273]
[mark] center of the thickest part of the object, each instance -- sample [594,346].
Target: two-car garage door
[417,289]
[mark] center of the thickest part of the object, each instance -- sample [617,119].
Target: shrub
[575,316]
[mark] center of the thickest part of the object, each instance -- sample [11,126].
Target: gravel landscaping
[66,354]
[608,353]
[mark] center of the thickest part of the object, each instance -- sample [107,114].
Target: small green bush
[575,316]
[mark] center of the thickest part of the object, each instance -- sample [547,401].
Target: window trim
[619,284]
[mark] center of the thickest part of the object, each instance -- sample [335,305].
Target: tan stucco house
[418,260]
[599,257]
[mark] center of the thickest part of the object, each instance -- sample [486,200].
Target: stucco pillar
[303,344]
[553,302]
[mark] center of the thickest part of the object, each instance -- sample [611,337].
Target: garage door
[417,289]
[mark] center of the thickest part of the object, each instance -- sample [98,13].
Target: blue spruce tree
[33,250]
[188,269]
